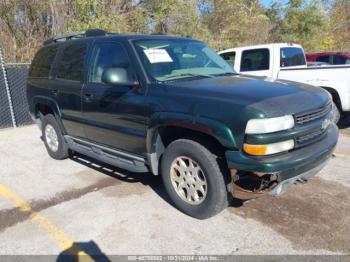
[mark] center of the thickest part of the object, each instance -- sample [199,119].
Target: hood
[273,98]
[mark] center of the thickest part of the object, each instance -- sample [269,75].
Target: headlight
[269,149]
[269,125]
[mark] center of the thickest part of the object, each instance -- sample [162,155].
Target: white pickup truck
[287,62]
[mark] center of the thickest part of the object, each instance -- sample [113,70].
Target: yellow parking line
[342,155]
[63,241]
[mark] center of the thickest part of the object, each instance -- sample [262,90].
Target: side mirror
[117,76]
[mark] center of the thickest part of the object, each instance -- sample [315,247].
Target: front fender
[216,129]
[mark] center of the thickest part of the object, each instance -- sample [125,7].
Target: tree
[88,14]
[235,23]
[340,25]
[24,25]
[178,17]
[300,22]
[318,25]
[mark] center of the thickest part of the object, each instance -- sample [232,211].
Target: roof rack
[75,35]
[158,34]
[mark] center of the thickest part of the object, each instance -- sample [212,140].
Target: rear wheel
[55,144]
[193,180]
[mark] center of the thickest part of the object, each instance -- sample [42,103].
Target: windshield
[174,59]
[292,56]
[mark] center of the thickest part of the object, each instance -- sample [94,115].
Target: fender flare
[213,128]
[50,103]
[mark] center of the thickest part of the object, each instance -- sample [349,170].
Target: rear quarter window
[71,65]
[255,60]
[292,56]
[42,62]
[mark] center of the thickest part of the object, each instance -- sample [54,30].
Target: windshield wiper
[184,75]
[226,74]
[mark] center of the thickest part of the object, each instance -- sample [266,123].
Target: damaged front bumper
[300,179]
[253,177]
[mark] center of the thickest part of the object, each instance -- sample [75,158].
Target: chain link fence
[13,101]
[17,77]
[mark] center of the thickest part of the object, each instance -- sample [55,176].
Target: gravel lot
[46,205]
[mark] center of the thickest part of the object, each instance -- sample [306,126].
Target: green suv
[171,106]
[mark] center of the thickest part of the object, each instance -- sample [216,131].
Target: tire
[56,148]
[336,114]
[215,197]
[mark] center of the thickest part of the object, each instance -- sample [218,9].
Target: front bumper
[290,166]
[302,178]
[287,164]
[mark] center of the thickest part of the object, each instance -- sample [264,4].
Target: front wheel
[193,180]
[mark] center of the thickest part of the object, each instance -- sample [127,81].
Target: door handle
[88,97]
[55,92]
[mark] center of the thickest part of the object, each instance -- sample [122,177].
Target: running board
[113,157]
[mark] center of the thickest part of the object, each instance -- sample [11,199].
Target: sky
[266,2]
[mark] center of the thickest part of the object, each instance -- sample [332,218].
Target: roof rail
[158,34]
[75,35]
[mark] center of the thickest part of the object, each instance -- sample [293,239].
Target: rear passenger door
[67,87]
[114,115]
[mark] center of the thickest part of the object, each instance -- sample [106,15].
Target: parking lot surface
[49,207]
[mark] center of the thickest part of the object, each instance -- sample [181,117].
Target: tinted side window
[324,58]
[339,60]
[107,55]
[292,56]
[254,60]
[42,62]
[71,66]
[229,57]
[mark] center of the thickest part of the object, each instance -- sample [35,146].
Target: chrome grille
[312,135]
[314,115]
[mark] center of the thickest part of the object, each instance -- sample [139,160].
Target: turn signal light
[269,149]
[256,150]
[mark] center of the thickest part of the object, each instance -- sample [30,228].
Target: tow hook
[249,185]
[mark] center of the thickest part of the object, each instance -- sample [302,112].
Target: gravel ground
[46,205]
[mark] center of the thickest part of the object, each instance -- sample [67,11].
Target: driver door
[114,115]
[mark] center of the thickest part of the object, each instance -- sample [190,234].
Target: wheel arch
[168,127]
[335,97]
[44,105]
